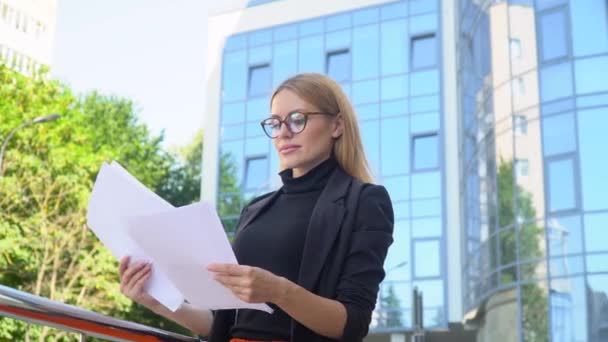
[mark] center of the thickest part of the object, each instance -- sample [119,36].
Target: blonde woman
[314,249]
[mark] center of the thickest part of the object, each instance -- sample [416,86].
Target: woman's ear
[337,126]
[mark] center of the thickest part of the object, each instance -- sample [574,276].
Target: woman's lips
[288,149]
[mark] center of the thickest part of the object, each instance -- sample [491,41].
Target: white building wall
[27,32]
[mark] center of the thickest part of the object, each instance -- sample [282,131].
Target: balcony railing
[38,310]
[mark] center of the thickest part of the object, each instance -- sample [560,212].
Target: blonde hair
[327,95]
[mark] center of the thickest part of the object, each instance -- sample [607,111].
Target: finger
[124,263]
[139,284]
[137,277]
[133,269]
[231,269]
[232,281]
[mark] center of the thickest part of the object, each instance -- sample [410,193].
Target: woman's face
[303,151]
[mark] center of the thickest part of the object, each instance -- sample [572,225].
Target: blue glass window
[397,261]
[424,82]
[394,47]
[426,227]
[423,24]
[422,6]
[234,82]
[394,87]
[434,310]
[259,80]
[366,16]
[424,51]
[395,146]
[597,292]
[568,306]
[393,108]
[338,65]
[426,152]
[591,75]
[565,235]
[366,91]
[257,146]
[232,132]
[312,56]
[426,258]
[426,207]
[558,134]
[285,61]
[589,22]
[556,82]
[260,55]
[286,32]
[365,52]
[256,173]
[596,232]
[233,152]
[562,188]
[338,40]
[257,109]
[592,137]
[311,27]
[421,123]
[260,37]
[370,134]
[233,113]
[544,4]
[426,184]
[397,187]
[554,37]
[338,22]
[396,10]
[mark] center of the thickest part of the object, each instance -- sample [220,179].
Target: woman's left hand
[251,284]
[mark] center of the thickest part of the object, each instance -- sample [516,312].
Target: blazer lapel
[325,223]
[253,210]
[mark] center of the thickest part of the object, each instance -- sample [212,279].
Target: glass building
[485,121]
[534,115]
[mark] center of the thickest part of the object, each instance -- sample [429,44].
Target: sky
[151,51]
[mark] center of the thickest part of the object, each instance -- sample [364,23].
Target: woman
[313,250]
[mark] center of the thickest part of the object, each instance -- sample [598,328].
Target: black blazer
[346,244]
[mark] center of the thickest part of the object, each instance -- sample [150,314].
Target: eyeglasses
[295,121]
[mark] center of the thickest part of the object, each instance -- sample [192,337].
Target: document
[132,220]
[182,242]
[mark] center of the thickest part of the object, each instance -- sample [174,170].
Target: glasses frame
[288,118]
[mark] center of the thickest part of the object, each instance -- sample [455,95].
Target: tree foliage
[46,180]
[520,242]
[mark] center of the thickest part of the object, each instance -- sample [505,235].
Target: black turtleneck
[274,241]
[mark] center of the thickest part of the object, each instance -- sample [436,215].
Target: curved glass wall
[533,82]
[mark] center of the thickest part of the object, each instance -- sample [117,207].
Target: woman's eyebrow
[289,112]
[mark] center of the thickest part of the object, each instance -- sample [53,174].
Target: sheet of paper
[117,195]
[182,242]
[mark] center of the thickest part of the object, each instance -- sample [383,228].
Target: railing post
[417,316]
[83,337]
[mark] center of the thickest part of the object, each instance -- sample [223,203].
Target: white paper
[183,242]
[117,195]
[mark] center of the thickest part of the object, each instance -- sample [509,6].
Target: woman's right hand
[133,278]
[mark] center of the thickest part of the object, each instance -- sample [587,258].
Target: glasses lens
[272,127]
[297,121]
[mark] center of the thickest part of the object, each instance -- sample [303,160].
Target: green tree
[392,308]
[517,218]
[49,170]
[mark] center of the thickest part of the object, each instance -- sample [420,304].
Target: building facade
[484,121]
[27,31]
